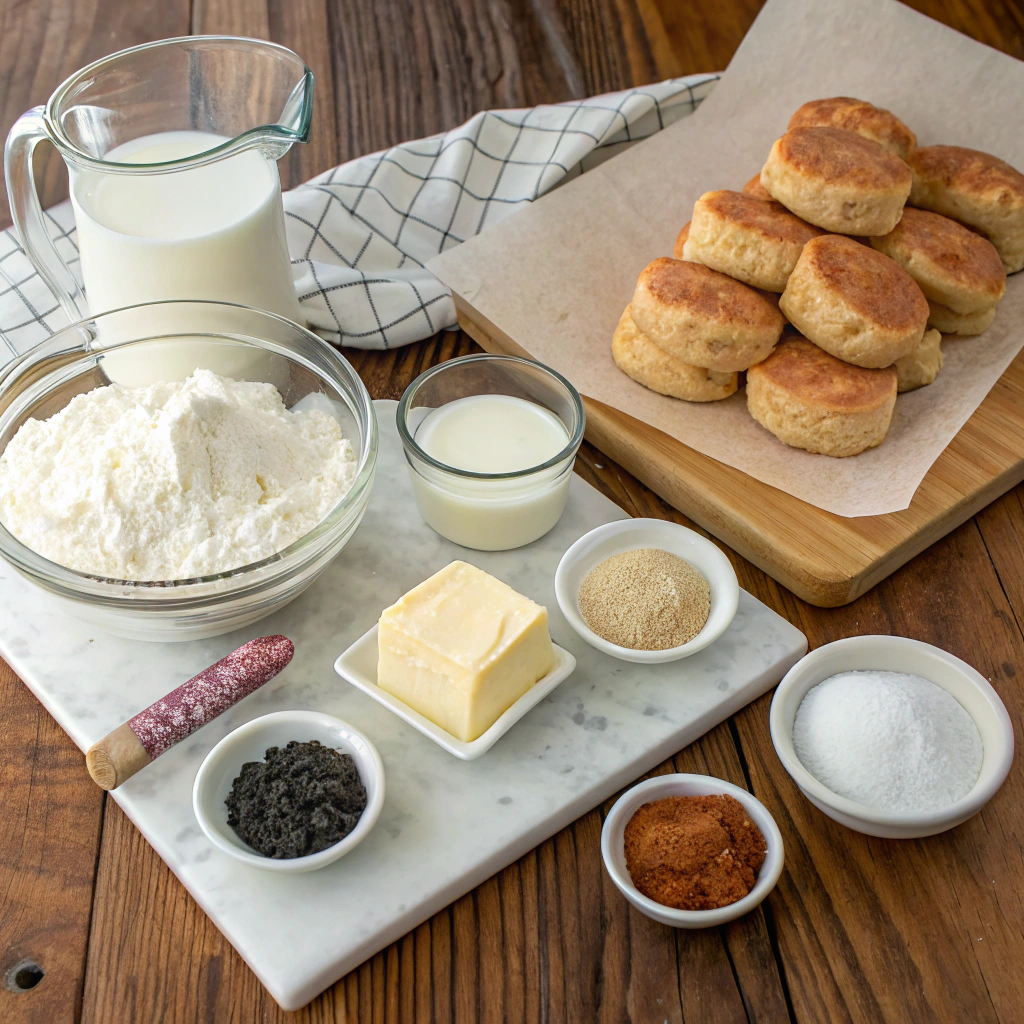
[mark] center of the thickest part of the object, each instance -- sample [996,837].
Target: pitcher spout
[241,93]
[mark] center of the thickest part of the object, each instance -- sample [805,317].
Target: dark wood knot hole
[24,975]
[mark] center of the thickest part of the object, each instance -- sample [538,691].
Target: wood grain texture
[1002,530]
[701,35]
[301,25]
[44,41]
[874,929]
[859,930]
[1000,25]
[882,930]
[405,70]
[49,839]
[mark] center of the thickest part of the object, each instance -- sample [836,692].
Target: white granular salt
[889,740]
[172,481]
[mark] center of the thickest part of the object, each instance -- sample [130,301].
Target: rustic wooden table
[858,929]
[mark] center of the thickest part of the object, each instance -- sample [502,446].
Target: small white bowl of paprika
[613,848]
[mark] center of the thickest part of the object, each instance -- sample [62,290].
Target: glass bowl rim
[409,442]
[167,592]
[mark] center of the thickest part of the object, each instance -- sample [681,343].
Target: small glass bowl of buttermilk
[174,367]
[490,441]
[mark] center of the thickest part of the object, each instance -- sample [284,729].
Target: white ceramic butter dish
[358,665]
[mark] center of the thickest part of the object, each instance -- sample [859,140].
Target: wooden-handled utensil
[131,746]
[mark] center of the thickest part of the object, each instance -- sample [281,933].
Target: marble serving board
[447,824]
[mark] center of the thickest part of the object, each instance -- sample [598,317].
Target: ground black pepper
[300,800]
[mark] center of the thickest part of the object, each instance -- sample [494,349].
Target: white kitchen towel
[360,234]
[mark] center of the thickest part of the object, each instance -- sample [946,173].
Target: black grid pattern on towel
[360,234]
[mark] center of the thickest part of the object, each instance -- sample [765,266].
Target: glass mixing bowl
[168,341]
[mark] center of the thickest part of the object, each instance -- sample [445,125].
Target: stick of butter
[462,648]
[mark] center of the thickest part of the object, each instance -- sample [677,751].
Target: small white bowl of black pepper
[292,791]
[647,590]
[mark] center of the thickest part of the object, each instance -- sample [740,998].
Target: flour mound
[174,480]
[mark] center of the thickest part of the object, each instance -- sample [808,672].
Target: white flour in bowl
[174,480]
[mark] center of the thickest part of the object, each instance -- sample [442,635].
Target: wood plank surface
[49,839]
[44,41]
[858,929]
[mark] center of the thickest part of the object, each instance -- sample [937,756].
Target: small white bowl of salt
[891,736]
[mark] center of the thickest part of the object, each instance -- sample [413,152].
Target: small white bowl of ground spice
[647,590]
[691,851]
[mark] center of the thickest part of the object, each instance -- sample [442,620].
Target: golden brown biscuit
[952,264]
[684,233]
[809,399]
[773,298]
[638,357]
[861,117]
[977,189]
[837,180]
[921,366]
[942,318]
[703,317]
[756,189]
[755,241]
[854,302]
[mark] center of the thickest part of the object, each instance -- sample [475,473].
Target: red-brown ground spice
[694,852]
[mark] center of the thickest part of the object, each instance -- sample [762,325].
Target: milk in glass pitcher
[172,151]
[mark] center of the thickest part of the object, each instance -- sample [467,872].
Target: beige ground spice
[646,599]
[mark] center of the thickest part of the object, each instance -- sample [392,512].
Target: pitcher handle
[28,131]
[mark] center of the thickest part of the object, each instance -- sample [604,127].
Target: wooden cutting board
[824,558]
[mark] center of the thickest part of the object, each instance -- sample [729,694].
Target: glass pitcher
[172,151]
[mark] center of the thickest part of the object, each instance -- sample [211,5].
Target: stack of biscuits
[830,279]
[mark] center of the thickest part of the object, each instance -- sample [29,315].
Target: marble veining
[447,824]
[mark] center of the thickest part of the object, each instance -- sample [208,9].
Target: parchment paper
[557,275]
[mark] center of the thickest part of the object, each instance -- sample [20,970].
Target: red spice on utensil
[694,852]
